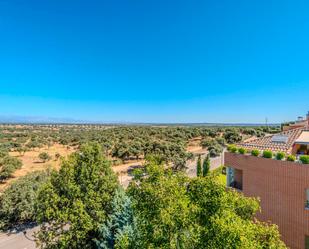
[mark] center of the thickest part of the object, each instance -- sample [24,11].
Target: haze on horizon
[155,61]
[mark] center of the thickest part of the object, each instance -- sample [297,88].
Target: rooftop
[282,141]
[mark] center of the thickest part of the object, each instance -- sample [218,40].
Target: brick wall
[281,187]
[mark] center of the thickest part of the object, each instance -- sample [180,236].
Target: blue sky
[155,61]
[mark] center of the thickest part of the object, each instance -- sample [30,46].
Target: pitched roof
[303,138]
[282,141]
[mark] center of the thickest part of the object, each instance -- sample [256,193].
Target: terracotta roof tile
[267,143]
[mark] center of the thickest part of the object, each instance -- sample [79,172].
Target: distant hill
[37,120]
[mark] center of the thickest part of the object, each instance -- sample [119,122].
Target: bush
[255,152]
[291,158]
[44,156]
[304,159]
[267,154]
[207,142]
[8,165]
[17,201]
[280,155]
[232,148]
[242,150]
[215,151]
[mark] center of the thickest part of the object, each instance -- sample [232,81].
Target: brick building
[282,186]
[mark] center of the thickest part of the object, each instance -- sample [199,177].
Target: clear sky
[155,61]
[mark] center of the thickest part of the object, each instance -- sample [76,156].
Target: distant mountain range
[53,120]
[38,120]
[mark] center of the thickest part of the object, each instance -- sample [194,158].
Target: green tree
[18,200]
[206,165]
[8,165]
[44,156]
[199,166]
[162,210]
[232,136]
[75,202]
[172,211]
[114,233]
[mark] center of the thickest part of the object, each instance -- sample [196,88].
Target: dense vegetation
[126,142]
[17,202]
[83,206]
[8,165]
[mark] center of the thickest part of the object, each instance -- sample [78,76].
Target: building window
[307,199]
[234,178]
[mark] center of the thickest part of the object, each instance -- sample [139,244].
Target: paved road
[214,163]
[18,240]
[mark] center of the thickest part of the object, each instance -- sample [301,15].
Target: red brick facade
[281,187]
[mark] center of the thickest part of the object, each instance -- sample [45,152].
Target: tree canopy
[17,202]
[174,211]
[73,204]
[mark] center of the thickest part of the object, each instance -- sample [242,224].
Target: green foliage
[3,153]
[76,200]
[291,158]
[206,142]
[232,136]
[18,200]
[232,148]
[173,211]
[162,211]
[199,166]
[8,165]
[304,159]
[206,166]
[255,152]
[218,171]
[115,232]
[44,156]
[280,155]
[221,141]
[267,154]
[242,150]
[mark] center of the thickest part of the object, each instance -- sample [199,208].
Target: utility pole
[266,122]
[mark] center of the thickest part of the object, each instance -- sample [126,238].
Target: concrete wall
[281,186]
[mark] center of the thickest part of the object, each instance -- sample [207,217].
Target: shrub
[242,150]
[280,155]
[255,152]
[207,142]
[18,200]
[215,151]
[304,159]
[232,148]
[44,156]
[267,154]
[232,136]
[8,165]
[291,158]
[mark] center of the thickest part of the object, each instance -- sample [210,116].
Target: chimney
[307,118]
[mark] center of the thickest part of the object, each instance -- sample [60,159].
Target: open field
[31,162]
